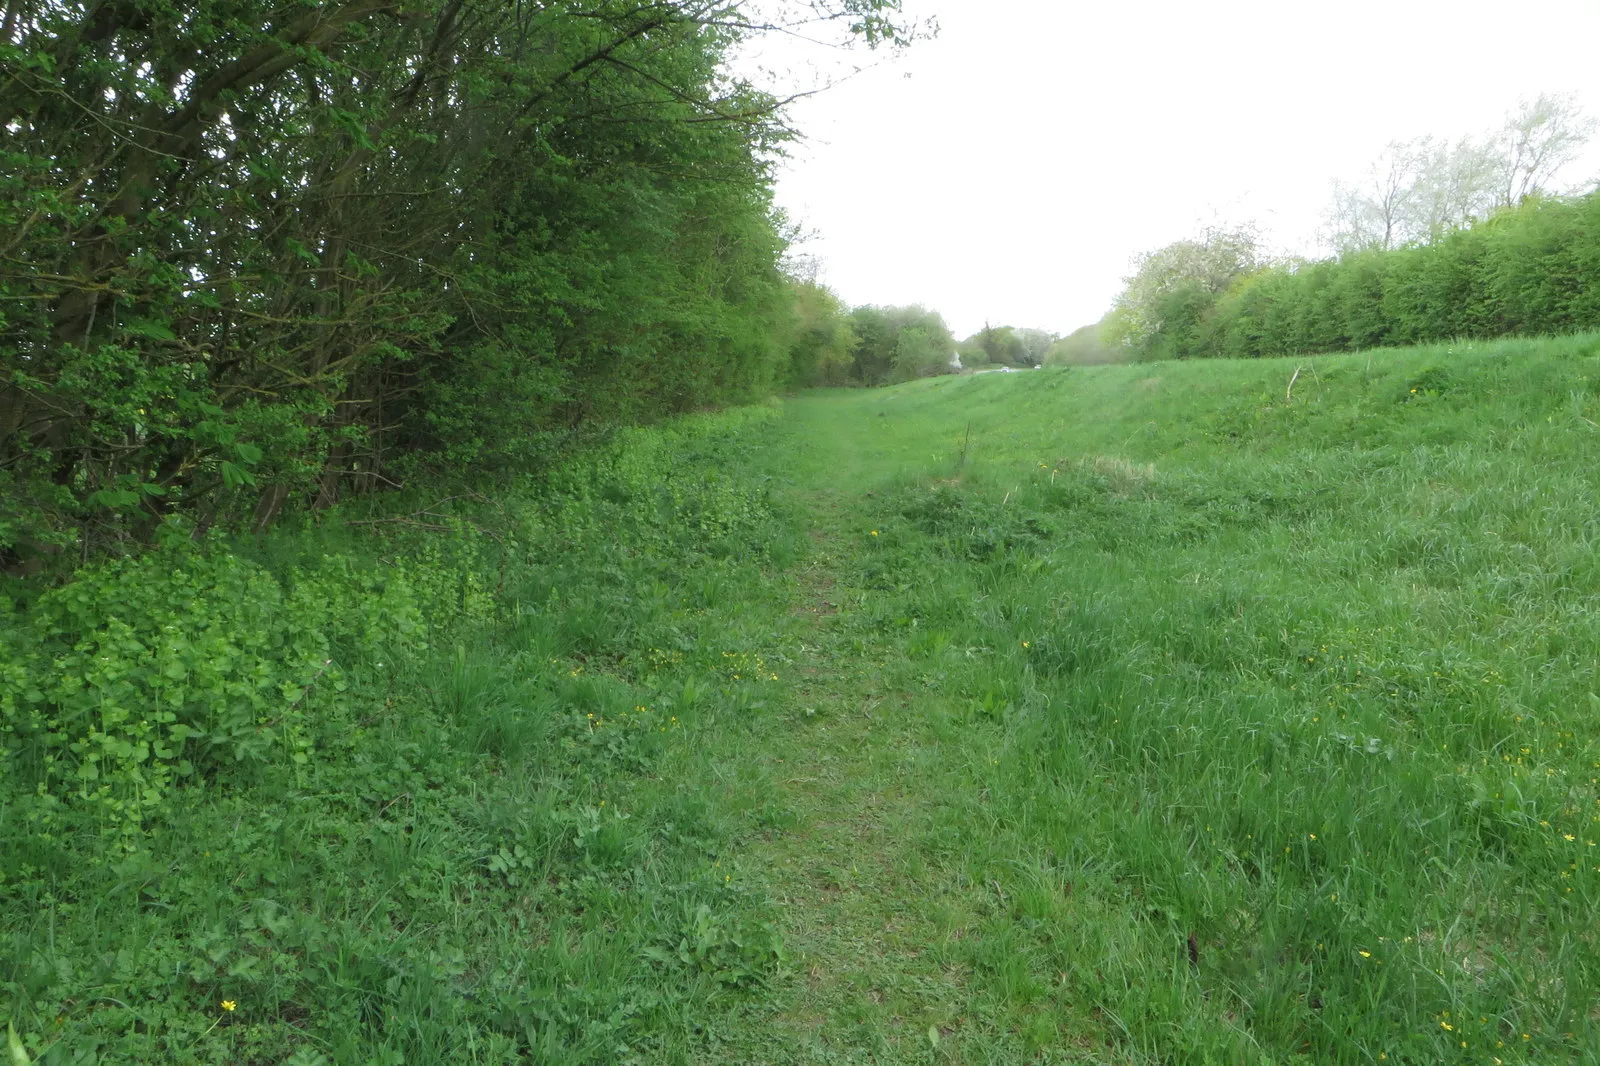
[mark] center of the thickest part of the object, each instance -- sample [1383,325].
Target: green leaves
[1517,273]
[353,126]
[18,1053]
[149,329]
[382,745]
[395,244]
[142,670]
[235,476]
[733,953]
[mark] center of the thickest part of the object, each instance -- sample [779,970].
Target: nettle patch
[144,673]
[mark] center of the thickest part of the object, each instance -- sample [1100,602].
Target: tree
[1084,346]
[1375,212]
[923,351]
[1006,346]
[1001,346]
[1035,343]
[823,343]
[1173,286]
[1418,191]
[1540,138]
[900,343]
[1454,185]
[278,251]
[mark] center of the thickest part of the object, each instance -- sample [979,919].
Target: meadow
[1214,712]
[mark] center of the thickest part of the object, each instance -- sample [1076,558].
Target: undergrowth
[397,788]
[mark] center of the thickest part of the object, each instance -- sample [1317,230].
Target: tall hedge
[1531,269]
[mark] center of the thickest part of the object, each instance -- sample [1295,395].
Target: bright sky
[1009,171]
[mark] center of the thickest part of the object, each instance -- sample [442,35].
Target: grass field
[1175,713]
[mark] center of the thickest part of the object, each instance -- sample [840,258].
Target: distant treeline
[836,345]
[871,345]
[268,254]
[1530,269]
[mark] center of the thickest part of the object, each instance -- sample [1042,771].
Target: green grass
[1131,714]
[507,843]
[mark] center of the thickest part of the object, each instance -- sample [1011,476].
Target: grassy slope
[1122,714]
[1173,719]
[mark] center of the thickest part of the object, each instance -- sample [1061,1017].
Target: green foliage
[139,674]
[1084,346]
[267,255]
[1006,346]
[899,344]
[920,352]
[1523,271]
[822,349]
[996,346]
[424,782]
[1159,313]
[735,956]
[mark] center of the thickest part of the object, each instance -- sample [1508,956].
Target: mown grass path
[856,904]
[862,766]
[866,919]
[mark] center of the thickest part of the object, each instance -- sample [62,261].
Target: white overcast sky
[1009,170]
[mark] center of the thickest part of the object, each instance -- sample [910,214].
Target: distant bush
[823,342]
[972,354]
[1005,346]
[1162,311]
[921,353]
[899,344]
[1085,346]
